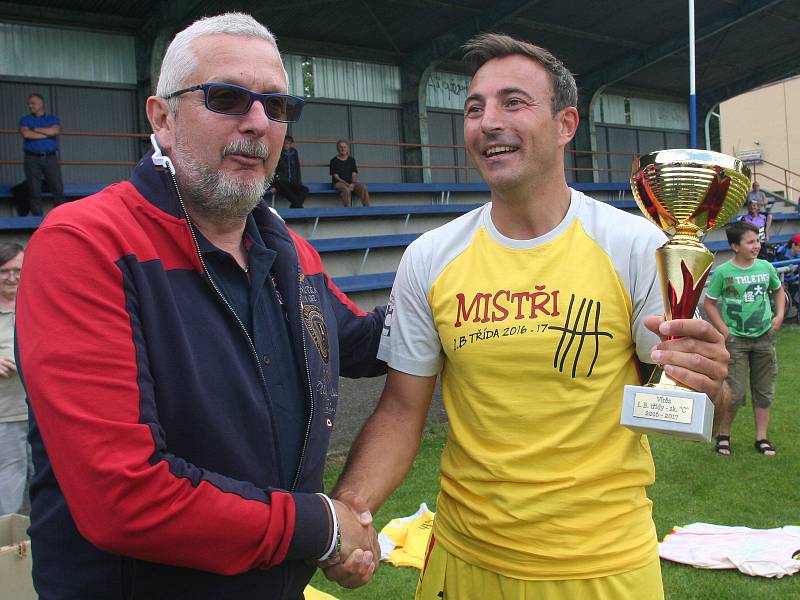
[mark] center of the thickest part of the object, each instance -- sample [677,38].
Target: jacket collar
[155,183]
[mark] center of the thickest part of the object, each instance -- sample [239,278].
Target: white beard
[216,195]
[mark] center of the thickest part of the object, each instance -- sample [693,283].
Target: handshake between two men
[355,553]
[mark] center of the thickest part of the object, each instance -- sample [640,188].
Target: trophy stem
[687,232]
[683,239]
[683,268]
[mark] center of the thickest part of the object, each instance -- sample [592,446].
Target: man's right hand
[360,549]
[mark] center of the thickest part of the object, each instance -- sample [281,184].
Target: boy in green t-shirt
[747,322]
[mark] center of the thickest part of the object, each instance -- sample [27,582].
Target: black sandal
[765,446]
[719,447]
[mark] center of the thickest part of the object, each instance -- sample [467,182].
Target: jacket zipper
[224,300]
[310,401]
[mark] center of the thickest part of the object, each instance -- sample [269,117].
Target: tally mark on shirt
[570,331]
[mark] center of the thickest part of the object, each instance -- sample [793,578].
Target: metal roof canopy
[740,44]
[632,47]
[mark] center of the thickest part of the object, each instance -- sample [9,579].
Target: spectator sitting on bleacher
[764,205]
[344,174]
[758,219]
[288,181]
[756,195]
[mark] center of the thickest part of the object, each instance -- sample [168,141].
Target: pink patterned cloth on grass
[763,552]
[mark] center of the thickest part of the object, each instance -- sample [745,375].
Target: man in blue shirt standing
[40,132]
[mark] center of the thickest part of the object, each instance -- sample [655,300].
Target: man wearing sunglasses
[184,392]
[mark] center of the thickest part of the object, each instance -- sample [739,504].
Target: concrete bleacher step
[316,223]
[365,242]
[359,255]
[368,290]
[365,283]
[323,195]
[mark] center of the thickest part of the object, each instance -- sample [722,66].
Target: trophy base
[668,410]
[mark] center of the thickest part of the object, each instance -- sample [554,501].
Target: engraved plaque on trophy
[686,193]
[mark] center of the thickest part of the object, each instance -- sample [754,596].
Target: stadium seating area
[361,246]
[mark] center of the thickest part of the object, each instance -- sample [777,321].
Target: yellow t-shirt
[404,540]
[535,340]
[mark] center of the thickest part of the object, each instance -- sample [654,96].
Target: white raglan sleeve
[646,294]
[410,342]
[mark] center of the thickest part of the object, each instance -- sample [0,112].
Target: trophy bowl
[686,193]
[689,191]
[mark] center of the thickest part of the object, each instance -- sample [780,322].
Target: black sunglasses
[230,99]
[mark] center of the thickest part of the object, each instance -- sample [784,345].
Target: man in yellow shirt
[536,310]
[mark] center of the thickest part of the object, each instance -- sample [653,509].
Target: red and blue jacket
[153,432]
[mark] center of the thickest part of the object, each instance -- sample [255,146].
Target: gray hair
[484,47]
[180,60]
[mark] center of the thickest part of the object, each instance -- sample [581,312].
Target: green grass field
[693,484]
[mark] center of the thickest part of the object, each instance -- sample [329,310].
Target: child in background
[790,250]
[747,322]
[791,278]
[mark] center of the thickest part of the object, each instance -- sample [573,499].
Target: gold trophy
[686,193]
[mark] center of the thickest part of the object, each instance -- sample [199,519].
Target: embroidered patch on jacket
[315,324]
